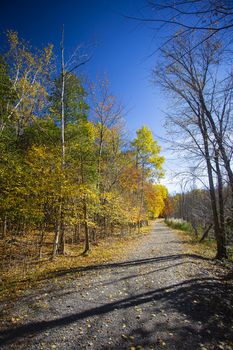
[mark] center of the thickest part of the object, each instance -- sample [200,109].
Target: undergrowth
[179,224]
[15,280]
[192,244]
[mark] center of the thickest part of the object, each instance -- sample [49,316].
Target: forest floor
[161,295]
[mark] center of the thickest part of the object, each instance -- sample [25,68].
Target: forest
[69,174]
[116,190]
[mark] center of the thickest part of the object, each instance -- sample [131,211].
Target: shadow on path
[202,299]
[128,263]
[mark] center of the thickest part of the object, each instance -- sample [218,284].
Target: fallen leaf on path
[124,336]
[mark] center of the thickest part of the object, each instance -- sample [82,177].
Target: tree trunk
[86,229]
[217,230]
[4,231]
[99,158]
[222,253]
[76,238]
[141,199]
[56,240]
[61,232]
[42,230]
[205,233]
[61,246]
[219,139]
[62,100]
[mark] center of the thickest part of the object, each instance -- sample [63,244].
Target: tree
[69,94]
[107,114]
[155,199]
[203,113]
[148,162]
[206,18]
[81,169]
[75,106]
[194,15]
[7,94]
[29,74]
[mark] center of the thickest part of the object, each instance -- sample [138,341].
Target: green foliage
[74,99]
[7,93]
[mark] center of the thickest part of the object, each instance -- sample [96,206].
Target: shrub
[179,224]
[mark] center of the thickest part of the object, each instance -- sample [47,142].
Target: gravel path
[158,298]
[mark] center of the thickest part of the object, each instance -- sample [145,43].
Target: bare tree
[202,115]
[107,114]
[206,18]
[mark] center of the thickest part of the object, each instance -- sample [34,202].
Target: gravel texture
[157,298]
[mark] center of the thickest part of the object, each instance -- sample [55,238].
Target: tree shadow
[118,266]
[128,263]
[205,301]
[229,276]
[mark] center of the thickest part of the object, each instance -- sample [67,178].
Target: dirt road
[159,298]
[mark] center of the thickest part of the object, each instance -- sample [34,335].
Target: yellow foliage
[155,195]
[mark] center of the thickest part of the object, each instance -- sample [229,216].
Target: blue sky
[122,48]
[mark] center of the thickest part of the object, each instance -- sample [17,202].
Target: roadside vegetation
[70,180]
[179,224]
[193,241]
[16,280]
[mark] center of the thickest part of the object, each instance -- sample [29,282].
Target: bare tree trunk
[4,231]
[59,247]
[94,234]
[42,230]
[195,230]
[85,214]
[205,233]
[76,237]
[56,239]
[62,225]
[219,140]
[217,230]
[222,238]
[86,229]
[99,158]
[62,100]
[141,199]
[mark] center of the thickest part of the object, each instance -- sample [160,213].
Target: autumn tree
[155,199]
[148,162]
[29,75]
[81,170]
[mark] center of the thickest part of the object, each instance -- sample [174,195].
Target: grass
[207,248]
[16,280]
[185,232]
[179,224]
[192,244]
